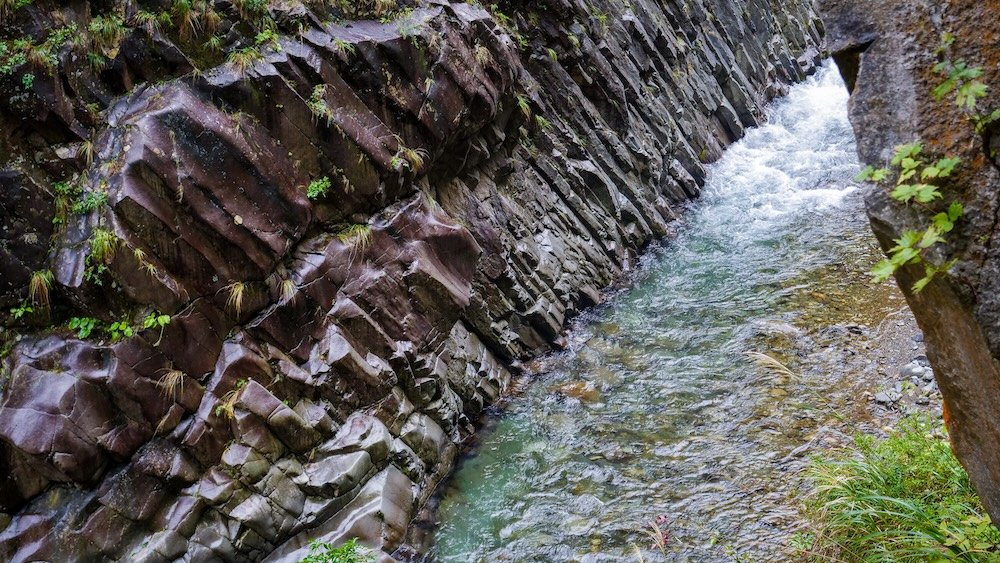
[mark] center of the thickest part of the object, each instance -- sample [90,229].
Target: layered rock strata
[324,357]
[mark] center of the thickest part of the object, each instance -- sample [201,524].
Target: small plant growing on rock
[243,59]
[120,329]
[318,188]
[227,406]
[103,245]
[357,235]
[915,183]
[343,47]
[918,181]
[524,105]
[21,310]
[237,293]
[39,286]
[348,552]
[287,290]
[317,104]
[171,383]
[156,320]
[83,326]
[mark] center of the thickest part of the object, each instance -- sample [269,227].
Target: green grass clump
[903,498]
[349,552]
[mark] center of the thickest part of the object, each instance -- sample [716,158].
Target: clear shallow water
[654,410]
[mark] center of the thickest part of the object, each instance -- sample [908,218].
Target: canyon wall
[887,52]
[262,297]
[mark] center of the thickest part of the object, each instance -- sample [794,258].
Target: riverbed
[662,433]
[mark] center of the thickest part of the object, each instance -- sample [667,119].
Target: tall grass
[902,498]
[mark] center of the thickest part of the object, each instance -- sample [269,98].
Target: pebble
[911,370]
[887,397]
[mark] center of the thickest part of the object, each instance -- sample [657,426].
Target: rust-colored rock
[887,52]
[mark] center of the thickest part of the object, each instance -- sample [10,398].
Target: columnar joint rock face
[887,51]
[326,357]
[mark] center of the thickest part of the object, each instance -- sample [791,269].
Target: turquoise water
[654,411]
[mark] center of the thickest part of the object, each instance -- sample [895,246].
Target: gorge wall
[265,368]
[887,52]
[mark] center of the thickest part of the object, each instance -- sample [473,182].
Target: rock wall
[325,356]
[887,52]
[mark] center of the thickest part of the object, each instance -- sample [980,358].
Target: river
[655,413]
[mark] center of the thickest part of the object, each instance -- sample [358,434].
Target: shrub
[349,552]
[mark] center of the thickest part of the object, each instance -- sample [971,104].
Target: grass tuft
[39,286]
[903,498]
[171,384]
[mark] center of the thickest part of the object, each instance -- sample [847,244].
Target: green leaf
[908,240]
[905,256]
[866,174]
[904,192]
[930,172]
[883,271]
[921,284]
[931,237]
[906,151]
[943,223]
[926,193]
[945,166]
[955,210]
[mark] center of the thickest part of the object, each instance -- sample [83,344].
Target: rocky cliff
[267,262]
[890,55]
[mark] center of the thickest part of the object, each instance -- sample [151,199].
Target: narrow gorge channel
[655,411]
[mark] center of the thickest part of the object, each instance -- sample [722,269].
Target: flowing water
[654,411]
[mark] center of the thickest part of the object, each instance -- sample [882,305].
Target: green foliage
[348,552]
[318,188]
[83,326]
[120,329]
[107,32]
[24,51]
[156,319]
[913,184]
[343,47]
[21,310]
[103,245]
[317,104]
[10,6]
[89,202]
[524,105]
[918,181]
[269,37]
[244,59]
[227,405]
[904,498]
[39,286]
[962,80]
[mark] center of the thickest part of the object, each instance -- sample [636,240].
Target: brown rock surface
[887,51]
